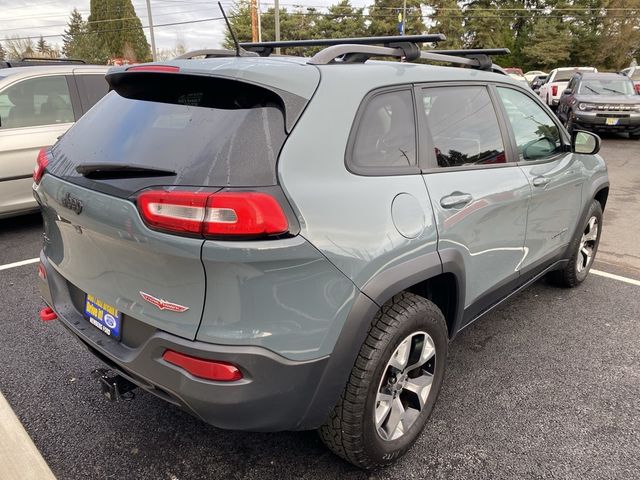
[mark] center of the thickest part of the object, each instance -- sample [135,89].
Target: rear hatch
[128,190]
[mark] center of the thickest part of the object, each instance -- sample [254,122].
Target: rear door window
[36,101]
[463,126]
[210,132]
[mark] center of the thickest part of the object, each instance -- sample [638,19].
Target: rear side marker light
[233,214]
[42,273]
[41,164]
[201,368]
[154,68]
[47,314]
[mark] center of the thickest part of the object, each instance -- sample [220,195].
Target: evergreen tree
[41,46]
[73,37]
[550,44]
[2,57]
[117,30]
[447,19]
[343,20]
[384,18]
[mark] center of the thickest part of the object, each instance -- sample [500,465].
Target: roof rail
[265,49]
[214,53]
[473,58]
[61,60]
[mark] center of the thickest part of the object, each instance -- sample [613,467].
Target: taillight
[203,368]
[554,90]
[234,214]
[638,88]
[41,165]
[154,68]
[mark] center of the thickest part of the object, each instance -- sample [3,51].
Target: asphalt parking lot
[545,386]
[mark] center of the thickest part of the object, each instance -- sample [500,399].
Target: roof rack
[360,49]
[37,61]
[59,60]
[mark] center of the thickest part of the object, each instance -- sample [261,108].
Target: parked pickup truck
[557,82]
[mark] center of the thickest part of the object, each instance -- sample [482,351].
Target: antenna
[233,35]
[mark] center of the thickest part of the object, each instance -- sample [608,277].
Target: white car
[557,83]
[38,103]
[533,74]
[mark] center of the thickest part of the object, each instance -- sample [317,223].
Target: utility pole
[153,37]
[277,7]
[254,21]
[259,22]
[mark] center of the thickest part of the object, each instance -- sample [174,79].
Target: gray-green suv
[283,243]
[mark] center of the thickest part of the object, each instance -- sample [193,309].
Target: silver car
[37,105]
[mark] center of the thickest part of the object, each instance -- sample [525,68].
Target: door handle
[540,181]
[455,200]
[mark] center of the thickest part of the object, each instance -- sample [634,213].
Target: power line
[115,29]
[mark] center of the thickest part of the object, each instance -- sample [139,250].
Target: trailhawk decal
[163,304]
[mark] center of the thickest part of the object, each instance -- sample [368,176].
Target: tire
[634,136]
[351,430]
[574,273]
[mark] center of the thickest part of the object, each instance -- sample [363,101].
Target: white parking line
[19,264]
[619,278]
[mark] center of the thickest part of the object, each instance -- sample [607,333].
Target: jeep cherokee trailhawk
[286,243]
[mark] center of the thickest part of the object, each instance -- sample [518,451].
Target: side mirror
[568,91]
[586,143]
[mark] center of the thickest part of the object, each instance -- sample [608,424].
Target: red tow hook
[47,314]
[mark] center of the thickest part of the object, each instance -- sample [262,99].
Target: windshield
[617,86]
[564,76]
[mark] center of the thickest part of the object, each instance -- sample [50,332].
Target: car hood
[617,99]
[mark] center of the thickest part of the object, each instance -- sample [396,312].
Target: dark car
[538,81]
[602,102]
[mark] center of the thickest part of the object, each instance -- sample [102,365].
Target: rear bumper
[274,394]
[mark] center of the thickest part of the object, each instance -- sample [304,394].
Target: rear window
[210,132]
[636,74]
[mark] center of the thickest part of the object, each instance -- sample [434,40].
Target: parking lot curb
[19,457]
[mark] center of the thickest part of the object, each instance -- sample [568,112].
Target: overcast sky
[32,18]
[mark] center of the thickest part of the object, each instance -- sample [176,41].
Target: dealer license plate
[103,316]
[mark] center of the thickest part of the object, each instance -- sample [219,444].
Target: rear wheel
[393,385]
[583,247]
[634,136]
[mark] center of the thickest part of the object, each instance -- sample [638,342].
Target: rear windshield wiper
[115,170]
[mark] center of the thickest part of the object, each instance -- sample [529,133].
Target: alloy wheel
[405,386]
[587,246]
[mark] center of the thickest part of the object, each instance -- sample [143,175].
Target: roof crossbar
[266,48]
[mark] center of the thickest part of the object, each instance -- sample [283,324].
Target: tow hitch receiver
[114,387]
